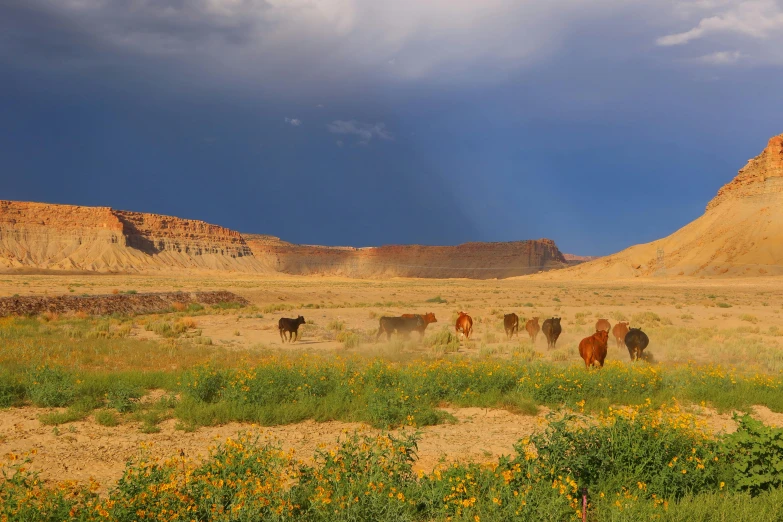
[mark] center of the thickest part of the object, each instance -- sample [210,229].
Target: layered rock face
[740,234]
[470,260]
[69,237]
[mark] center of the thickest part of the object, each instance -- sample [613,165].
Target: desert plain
[734,323]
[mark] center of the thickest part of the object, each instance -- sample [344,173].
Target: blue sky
[598,124]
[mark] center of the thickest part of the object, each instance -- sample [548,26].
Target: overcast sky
[599,124]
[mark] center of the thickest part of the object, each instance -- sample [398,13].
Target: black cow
[401,325]
[290,326]
[552,331]
[636,341]
[511,324]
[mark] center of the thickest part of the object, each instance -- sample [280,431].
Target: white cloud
[749,18]
[293,45]
[721,58]
[294,122]
[263,38]
[364,132]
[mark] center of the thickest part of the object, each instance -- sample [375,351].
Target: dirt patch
[80,450]
[110,304]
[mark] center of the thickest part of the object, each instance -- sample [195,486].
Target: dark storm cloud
[491,104]
[285,42]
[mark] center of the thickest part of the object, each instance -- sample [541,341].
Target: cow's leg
[281,334]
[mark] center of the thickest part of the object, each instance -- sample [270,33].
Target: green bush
[50,387]
[205,383]
[755,452]
[11,389]
[437,299]
[670,459]
[123,396]
[106,418]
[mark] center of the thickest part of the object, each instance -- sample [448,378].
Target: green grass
[437,299]
[106,418]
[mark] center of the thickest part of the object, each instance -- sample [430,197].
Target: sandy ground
[86,449]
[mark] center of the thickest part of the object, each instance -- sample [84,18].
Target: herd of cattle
[592,349]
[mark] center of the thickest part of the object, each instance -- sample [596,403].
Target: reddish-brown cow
[428,318]
[593,349]
[532,328]
[619,331]
[464,325]
[603,324]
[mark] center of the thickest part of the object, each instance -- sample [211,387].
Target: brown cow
[593,348]
[464,325]
[428,318]
[532,328]
[619,331]
[603,324]
[511,324]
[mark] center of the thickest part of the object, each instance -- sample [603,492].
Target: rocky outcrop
[740,234]
[69,237]
[761,178]
[470,260]
[111,304]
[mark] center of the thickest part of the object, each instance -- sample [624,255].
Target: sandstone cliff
[740,234]
[69,237]
[471,260]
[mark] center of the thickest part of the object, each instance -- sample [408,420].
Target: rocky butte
[740,233]
[69,237]
[470,260]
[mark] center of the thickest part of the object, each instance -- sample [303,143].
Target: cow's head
[556,320]
[535,320]
[626,323]
[429,317]
[602,336]
[300,320]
